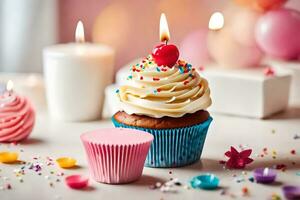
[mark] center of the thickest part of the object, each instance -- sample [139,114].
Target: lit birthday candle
[165,54]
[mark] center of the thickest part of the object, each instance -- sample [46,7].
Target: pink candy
[77,181]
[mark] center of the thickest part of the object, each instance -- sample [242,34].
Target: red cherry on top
[165,54]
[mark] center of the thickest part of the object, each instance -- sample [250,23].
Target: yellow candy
[8,157]
[66,162]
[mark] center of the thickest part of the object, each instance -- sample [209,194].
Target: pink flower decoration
[238,160]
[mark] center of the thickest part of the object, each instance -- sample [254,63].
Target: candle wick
[166,42]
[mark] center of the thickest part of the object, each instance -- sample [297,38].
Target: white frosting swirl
[161,91]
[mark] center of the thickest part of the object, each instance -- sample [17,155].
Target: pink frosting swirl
[17,118]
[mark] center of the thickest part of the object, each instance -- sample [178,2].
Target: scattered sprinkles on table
[296,137]
[45,168]
[245,191]
[40,166]
[167,187]
[275,196]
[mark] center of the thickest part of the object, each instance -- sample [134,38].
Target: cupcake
[168,98]
[169,101]
[17,117]
[116,155]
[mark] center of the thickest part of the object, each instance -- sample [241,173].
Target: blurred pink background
[131,26]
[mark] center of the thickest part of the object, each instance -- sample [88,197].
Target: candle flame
[266,172]
[164,33]
[216,21]
[79,33]
[9,86]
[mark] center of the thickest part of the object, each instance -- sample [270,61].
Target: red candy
[165,54]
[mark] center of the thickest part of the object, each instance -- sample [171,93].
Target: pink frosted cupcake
[17,117]
[116,155]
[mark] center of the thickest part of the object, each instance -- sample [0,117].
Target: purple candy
[264,175]
[291,192]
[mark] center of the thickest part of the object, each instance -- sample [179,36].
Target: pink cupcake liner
[116,155]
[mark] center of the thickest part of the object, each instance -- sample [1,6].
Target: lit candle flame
[266,172]
[164,33]
[79,33]
[216,21]
[9,86]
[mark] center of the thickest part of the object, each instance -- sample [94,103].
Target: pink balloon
[227,52]
[277,33]
[193,49]
[243,26]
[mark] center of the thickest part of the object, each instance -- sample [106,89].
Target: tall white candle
[76,75]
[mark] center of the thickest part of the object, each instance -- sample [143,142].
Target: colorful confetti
[245,191]
[167,187]
[293,151]
[238,160]
[296,137]
[275,196]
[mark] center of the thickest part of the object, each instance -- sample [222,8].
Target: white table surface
[57,139]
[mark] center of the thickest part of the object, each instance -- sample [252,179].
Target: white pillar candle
[76,75]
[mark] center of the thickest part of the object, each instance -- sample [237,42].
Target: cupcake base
[174,147]
[116,156]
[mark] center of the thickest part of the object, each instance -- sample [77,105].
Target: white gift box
[293,68]
[247,92]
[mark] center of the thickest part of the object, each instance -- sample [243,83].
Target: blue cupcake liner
[174,147]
